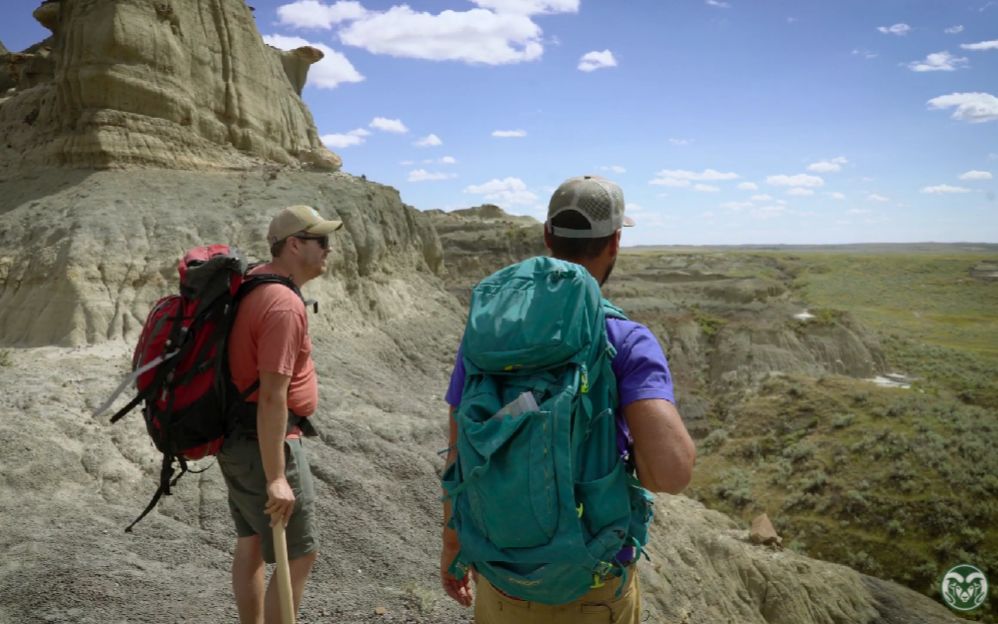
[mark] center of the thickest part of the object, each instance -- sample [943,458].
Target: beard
[609,270]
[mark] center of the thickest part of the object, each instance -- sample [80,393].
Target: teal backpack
[541,500]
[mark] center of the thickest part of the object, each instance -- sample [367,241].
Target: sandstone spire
[185,84]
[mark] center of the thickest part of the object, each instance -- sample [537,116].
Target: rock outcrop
[84,253]
[727,325]
[206,124]
[184,84]
[987,271]
[481,240]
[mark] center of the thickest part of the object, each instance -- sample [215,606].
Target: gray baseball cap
[597,199]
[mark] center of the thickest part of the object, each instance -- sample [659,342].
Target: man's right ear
[547,237]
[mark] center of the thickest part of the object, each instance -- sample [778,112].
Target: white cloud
[707,175]
[354,137]
[748,186]
[800,192]
[614,169]
[672,182]
[422,175]
[943,189]
[876,197]
[719,4]
[675,141]
[508,191]
[970,107]
[530,7]
[938,61]
[859,211]
[509,134]
[976,175]
[762,197]
[954,30]
[768,212]
[475,36]
[314,14]
[448,160]
[828,166]
[864,53]
[332,70]
[388,125]
[736,205]
[591,61]
[407,163]
[705,188]
[897,29]
[983,45]
[801,179]
[430,140]
[837,195]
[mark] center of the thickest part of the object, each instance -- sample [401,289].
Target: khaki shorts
[600,605]
[243,471]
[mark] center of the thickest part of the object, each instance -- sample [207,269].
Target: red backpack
[180,365]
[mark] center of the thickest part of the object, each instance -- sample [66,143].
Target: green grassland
[899,483]
[936,321]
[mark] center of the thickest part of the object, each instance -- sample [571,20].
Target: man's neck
[595,266]
[283,266]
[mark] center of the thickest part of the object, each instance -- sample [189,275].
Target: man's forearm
[271,429]
[449,534]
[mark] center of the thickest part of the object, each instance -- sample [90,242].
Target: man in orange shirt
[263,461]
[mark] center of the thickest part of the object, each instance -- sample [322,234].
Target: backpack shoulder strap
[252,281]
[611,310]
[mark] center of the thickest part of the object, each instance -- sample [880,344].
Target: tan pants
[597,606]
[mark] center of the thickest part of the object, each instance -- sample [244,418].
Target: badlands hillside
[107,174]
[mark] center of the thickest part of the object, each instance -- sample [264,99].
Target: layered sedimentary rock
[84,253]
[181,83]
[180,93]
[483,239]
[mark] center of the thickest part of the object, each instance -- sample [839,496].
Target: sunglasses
[322,240]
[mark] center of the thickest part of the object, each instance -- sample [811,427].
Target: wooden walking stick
[283,575]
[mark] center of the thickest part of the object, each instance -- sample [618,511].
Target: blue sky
[725,122]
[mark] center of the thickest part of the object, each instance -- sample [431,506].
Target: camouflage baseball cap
[597,199]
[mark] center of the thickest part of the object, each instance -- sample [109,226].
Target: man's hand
[280,501]
[459,590]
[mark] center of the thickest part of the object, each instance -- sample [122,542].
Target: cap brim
[627,222]
[325,227]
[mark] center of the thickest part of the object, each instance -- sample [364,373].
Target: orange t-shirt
[270,334]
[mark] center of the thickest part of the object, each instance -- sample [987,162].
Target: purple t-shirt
[640,366]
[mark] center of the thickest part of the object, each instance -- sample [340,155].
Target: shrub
[799,452]
[843,420]
[734,487]
[815,481]
[714,439]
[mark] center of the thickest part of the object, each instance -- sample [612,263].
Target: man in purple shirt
[583,225]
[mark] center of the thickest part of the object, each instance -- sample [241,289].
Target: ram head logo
[964,588]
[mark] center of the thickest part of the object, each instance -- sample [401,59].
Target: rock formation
[182,84]
[481,240]
[104,244]
[157,126]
